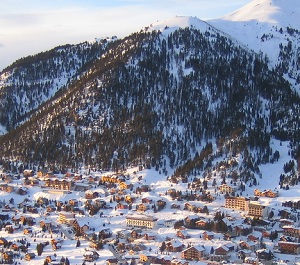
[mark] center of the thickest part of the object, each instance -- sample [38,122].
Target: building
[289,247]
[193,253]
[257,210]
[225,188]
[266,193]
[143,221]
[65,217]
[239,203]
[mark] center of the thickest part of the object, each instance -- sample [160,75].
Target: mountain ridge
[163,96]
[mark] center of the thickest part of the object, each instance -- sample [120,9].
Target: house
[266,193]
[142,207]
[169,223]
[89,195]
[112,262]
[290,230]
[253,238]
[150,236]
[286,247]
[29,256]
[193,253]
[264,254]
[160,204]
[147,200]
[182,234]
[220,253]
[8,257]
[225,188]
[174,246]
[91,256]
[250,245]
[207,235]
[250,260]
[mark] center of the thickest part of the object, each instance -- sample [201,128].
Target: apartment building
[139,220]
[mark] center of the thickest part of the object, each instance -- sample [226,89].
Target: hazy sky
[31,26]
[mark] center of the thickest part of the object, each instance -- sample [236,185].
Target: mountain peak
[178,22]
[274,12]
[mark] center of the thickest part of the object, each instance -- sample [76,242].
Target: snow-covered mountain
[163,96]
[270,27]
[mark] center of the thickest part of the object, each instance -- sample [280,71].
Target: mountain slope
[271,27]
[31,81]
[161,98]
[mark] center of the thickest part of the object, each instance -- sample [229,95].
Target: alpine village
[178,144]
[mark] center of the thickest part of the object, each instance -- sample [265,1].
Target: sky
[32,26]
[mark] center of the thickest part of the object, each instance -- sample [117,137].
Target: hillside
[270,27]
[162,97]
[140,100]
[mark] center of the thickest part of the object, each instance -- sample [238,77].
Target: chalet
[28,173]
[110,179]
[160,204]
[175,206]
[250,260]
[142,207]
[193,253]
[3,241]
[50,259]
[17,246]
[112,262]
[8,257]
[45,223]
[91,256]
[284,222]
[27,230]
[122,206]
[29,256]
[150,236]
[80,186]
[207,235]
[264,254]
[73,202]
[266,193]
[169,223]
[93,179]
[225,188]
[64,217]
[220,253]
[290,230]
[124,234]
[178,262]
[182,234]
[59,184]
[147,259]
[89,195]
[253,238]
[105,233]
[289,247]
[191,220]
[201,224]
[147,200]
[250,245]
[123,185]
[174,246]
[96,245]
